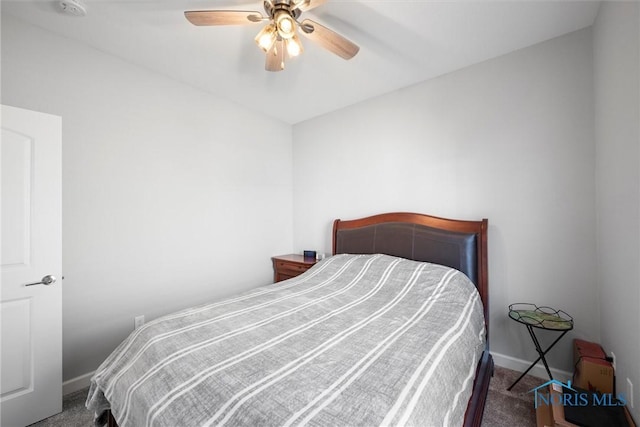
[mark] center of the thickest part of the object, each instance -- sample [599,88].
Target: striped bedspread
[358,340]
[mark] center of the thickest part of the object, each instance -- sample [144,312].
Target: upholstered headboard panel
[413,241]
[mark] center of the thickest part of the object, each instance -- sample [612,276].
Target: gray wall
[617,131]
[171,197]
[510,139]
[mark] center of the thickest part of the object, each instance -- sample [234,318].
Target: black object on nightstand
[545,318]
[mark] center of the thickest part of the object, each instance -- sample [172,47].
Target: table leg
[541,354]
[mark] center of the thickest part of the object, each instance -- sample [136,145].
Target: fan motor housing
[285,5]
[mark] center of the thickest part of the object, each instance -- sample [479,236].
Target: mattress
[356,340]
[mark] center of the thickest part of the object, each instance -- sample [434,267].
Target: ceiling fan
[279,38]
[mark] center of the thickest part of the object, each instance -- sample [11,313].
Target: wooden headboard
[458,244]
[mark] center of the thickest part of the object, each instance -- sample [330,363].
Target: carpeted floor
[74,413]
[510,408]
[504,408]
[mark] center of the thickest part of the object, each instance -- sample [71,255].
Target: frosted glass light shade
[266,37]
[285,25]
[294,47]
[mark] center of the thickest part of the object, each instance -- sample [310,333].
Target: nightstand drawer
[283,267]
[289,266]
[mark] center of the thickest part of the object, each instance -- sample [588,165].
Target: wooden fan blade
[329,39]
[275,57]
[305,5]
[223,17]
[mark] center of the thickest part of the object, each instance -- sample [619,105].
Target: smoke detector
[73,7]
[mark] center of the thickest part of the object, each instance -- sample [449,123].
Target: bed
[390,330]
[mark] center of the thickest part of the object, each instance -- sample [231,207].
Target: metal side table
[545,318]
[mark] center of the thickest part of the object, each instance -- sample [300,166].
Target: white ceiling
[401,43]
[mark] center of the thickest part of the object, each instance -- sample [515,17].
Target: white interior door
[31,234]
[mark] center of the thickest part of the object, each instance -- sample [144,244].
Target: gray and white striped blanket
[358,340]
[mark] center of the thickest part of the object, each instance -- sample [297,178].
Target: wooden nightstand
[288,266]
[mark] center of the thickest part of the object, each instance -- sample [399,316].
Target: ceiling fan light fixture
[279,38]
[266,37]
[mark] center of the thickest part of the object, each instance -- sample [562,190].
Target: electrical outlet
[630,392]
[138,321]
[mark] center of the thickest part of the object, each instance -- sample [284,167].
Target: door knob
[46,280]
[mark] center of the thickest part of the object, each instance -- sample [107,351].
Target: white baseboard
[537,371]
[77,383]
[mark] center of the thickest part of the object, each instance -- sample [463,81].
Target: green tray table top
[541,317]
